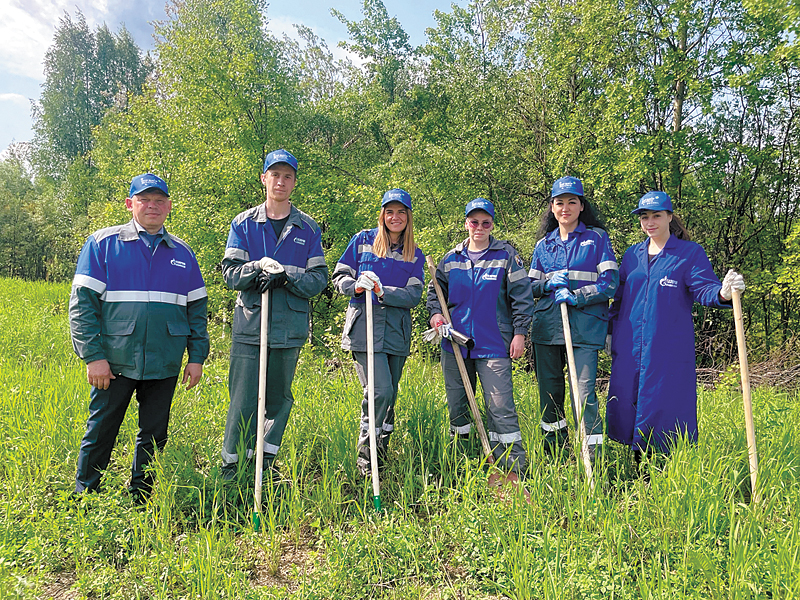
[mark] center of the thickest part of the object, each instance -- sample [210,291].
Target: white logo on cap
[651,200]
[177,263]
[666,282]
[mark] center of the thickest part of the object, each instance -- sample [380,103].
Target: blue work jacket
[652,393]
[490,301]
[138,309]
[589,260]
[402,286]
[299,250]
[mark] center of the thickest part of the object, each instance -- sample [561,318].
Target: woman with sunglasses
[573,263]
[652,394]
[387,261]
[489,298]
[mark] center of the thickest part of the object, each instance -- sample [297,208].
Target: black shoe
[228,472]
[596,454]
[139,495]
[272,471]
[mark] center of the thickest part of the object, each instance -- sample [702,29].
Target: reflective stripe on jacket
[402,286]
[489,301]
[299,250]
[653,386]
[138,309]
[589,259]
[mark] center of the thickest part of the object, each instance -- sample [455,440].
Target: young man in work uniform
[275,247]
[138,301]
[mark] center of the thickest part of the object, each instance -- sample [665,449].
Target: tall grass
[683,529]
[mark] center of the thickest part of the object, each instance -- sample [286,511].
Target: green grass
[687,532]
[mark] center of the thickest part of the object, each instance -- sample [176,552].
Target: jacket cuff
[93,357]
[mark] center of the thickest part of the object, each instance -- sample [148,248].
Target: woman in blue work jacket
[387,261]
[652,395]
[489,298]
[572,263]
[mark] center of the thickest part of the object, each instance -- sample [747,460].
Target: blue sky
[27,27]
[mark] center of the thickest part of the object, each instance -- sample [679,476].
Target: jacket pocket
[174,344]
[118,343]
[350,338]
[247,320]
[297,319]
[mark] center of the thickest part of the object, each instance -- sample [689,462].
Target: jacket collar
[130,232]
[294,215]
[555,236]
[671,244]
[494,244]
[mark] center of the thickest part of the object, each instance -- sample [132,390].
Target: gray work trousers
[388,369]
[550,364]
[242,420]
[502,425]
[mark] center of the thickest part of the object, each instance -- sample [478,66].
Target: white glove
[432,335]
[270,265]
[369,281]
[733,281]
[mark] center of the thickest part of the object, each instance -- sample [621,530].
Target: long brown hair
[382,243]
[678,229]
[589,216]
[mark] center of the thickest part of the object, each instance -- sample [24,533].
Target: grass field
[687,531]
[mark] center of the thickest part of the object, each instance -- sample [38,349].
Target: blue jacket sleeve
[311,280]
[607,282]
[346,271]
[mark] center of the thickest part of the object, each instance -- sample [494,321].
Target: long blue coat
[652,394]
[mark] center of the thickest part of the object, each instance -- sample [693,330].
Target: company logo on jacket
[300,241]
[587,243]
[666,282]
[177,263]
[489,276]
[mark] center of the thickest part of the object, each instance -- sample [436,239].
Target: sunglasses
[475,224]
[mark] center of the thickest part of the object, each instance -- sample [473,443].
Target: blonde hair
[382,243]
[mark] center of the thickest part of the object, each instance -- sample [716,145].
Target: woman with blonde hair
[387,261]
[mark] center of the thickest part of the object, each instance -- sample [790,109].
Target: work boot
[555,443]
[228,472]
[363,461]
[596,454]
[462,442]
[271,471]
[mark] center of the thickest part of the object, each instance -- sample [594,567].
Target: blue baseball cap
[653,201]
[567,185]
[397,195]
[280,156]
[480,204]
[147,181]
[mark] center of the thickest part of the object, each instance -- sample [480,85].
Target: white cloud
[280,26]
[15,98]
[27,27]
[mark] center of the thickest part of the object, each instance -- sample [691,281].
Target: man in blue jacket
[138,302]
[276,247]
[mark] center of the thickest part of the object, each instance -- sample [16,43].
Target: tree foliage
[695,97]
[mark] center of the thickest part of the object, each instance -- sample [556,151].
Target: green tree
[86,73]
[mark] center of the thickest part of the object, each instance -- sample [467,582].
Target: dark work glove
[269,281]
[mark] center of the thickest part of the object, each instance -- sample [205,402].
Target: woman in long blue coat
[387,261]
[652,395]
